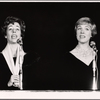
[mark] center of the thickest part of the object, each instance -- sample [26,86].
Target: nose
[82,32]
[13,30]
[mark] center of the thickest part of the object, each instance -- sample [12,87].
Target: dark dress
[5,75]
[75,74]
[31,60]
[28,65]
[68,73]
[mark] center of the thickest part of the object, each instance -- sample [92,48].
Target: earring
[5,36]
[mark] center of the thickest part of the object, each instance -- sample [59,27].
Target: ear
[91,36]
[5,36]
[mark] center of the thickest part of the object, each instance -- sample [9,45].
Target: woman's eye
[78,28]
[87,29]
[10,29]
[17,29]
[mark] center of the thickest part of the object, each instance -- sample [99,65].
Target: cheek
[19,34]
[89,34]
[77,34]
[8,34]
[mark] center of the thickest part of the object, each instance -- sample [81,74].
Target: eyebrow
[12,25]
[85,26]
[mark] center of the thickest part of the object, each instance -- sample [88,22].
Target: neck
[84,46]
[13,48]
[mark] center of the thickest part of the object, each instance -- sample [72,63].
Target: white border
[49,94]
[49,1]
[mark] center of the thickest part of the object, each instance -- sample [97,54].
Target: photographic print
[49,50]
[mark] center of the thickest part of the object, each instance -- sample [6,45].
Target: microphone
[94,66]
[19,41]
[93,45]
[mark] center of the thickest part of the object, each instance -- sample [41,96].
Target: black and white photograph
[50,47]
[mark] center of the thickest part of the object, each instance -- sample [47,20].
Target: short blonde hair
[87,20]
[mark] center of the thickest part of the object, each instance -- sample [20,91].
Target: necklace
[84,53]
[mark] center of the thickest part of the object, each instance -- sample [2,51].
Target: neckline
[14,58]
[81,60]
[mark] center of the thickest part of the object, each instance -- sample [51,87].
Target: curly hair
[87,20]
[11,20]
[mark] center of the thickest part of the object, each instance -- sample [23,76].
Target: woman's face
[13,32]
[83,33]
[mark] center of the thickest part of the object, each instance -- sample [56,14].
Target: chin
[83,42]
[13,42]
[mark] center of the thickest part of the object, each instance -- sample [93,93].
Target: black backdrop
[50,25]
[49,32]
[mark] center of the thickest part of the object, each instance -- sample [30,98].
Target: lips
[82,36]
[14,36]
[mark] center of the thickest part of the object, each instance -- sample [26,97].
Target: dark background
[50,25]
[50,33]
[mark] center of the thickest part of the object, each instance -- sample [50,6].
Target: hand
[14,80]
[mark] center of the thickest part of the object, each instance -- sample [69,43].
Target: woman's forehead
[14,24]
[84,24]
